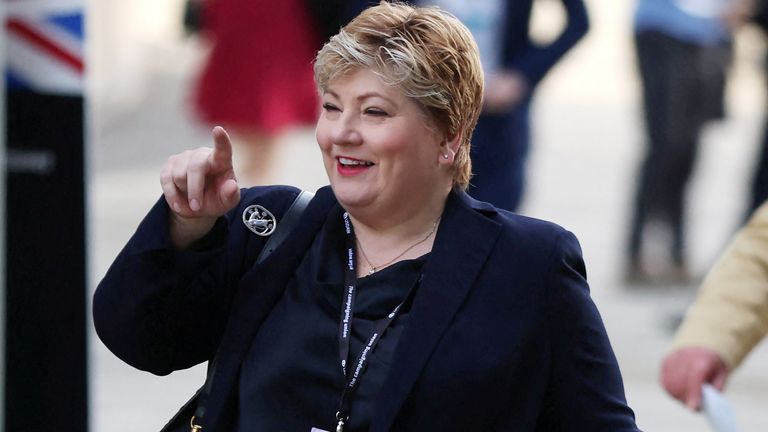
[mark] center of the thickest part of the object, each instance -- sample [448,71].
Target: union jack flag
[45,46]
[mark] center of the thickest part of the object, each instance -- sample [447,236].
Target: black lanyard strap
[352,376]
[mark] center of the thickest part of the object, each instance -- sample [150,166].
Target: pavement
[587,142]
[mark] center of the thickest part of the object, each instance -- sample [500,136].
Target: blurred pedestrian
[257,80]
[759,186]
[683,50]
[513,65]
[728,319]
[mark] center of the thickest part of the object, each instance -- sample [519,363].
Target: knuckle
[165,176]
[179,174]
[198,161]
[201,153]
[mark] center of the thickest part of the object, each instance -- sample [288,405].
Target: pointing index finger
[222,149]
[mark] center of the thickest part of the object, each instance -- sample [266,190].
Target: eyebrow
[375,94]
[365,95]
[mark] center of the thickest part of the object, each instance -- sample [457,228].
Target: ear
[449,147]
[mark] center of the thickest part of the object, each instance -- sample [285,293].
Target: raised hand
[503,91]
[199,186]
[685,370]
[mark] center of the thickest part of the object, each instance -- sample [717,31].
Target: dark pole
[45,285]
[2,231]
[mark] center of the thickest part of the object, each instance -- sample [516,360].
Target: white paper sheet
[718,410]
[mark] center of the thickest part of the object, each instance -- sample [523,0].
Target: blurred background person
[513,65]
[683,50]
[728,319]
[257,80]
[759,187]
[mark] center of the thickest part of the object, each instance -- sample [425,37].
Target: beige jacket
[730,314]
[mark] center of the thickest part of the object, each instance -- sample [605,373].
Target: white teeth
[345,161]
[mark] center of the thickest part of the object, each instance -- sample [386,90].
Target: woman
[462,316]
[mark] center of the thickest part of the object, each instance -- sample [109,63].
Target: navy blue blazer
[502,334]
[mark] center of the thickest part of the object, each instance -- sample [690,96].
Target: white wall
[122,37]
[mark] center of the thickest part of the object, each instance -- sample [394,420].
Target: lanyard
[352,375]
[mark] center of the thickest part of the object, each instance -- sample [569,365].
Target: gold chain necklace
[374,268]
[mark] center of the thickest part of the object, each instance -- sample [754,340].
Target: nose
[346,130]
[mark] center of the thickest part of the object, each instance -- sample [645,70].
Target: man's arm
[729,317]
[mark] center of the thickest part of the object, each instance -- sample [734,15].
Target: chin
[352,197]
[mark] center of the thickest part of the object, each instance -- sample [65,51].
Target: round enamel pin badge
[259,220]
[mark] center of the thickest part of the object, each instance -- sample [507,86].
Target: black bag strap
[290,218]
[194,407]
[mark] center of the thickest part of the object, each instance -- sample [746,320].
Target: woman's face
[378,148]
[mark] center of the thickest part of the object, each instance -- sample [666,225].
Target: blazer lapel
[259,289]
[464,240]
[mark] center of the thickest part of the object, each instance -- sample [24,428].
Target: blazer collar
[448,278]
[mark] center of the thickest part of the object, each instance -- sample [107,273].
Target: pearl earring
[445,156]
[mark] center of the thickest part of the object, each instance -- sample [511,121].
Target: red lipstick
[347,166]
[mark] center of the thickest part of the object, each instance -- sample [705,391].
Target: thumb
[693,382]
[718,381]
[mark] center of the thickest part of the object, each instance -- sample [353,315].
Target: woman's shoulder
[274,199]
[520,230]
[535,235]
[267,194]
[516,222]
[523,226]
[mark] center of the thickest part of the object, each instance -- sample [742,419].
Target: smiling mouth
[353,163]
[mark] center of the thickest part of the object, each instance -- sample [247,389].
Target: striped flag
[44,46]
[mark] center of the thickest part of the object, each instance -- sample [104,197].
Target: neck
[398,221]
[383,239]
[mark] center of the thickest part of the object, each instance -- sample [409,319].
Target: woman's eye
[329,107]
[375,112]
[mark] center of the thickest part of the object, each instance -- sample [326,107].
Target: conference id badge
[314,429]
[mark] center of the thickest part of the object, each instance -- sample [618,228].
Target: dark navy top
[291,378]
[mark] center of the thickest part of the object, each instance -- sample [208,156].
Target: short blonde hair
[425,51]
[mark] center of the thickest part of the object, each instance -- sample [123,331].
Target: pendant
[372,271]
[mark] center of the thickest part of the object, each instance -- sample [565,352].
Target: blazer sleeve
[586,390]
[535,61]
[160,309]
[730,314]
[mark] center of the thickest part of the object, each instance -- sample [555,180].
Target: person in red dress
[257,80]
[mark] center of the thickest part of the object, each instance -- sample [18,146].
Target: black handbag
[184,419]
